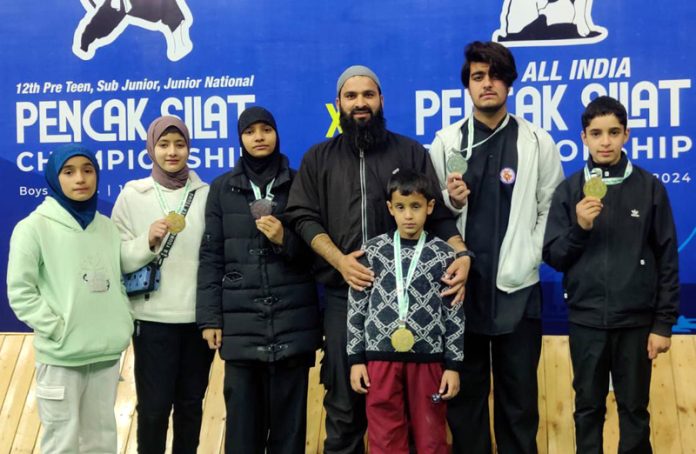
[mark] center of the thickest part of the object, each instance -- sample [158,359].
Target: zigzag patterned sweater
[373,314]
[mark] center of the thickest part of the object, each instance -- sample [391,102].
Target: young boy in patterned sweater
[405,342]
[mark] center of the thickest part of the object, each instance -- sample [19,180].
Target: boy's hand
[272,228]
[214,337]
[657,344]
[158,230]
[449,385]
[354,273]
[359,380]
[457,190]
[587,211]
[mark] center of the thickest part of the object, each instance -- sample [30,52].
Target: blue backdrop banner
[99,71]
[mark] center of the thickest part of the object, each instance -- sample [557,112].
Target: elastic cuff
[446,229]
[209,325]
[145,254]
[662,329]
[448,203]
[578,234]
[311,231]
[358,358]
[457,366]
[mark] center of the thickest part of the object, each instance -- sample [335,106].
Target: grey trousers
[76,407]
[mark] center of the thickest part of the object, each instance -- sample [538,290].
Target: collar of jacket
[238,179]
[617,170]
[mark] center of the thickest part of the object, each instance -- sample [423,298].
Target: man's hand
[587,211]
[657,344]
[455,277]
[158,230]
[354,273]
[359,380]
[449,385]
[272,228]
[214,337]
[457,190]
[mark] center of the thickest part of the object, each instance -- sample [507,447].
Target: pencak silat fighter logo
[105,20]
[547,23]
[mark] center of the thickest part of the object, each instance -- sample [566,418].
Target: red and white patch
[507,176]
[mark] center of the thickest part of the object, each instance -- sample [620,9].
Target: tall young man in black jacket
[610,231]
[338,202]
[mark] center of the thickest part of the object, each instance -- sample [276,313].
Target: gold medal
[595,187]
[176,222]
[402,339]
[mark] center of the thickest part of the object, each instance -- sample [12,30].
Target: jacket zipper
[363,197]
[605,271]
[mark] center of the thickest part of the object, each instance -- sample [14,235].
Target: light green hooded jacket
[65,283]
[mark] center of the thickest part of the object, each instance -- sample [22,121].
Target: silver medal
[457,164]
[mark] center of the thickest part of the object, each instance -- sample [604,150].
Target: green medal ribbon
[257,190]
[470,136]
[596,172]
[163,203]
[401,285]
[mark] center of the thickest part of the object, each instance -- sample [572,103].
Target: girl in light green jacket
[64,281]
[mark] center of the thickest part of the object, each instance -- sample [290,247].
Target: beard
[364,134]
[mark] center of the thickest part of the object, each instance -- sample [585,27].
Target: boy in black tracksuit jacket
[619,257]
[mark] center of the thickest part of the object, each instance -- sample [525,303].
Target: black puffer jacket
[261,295]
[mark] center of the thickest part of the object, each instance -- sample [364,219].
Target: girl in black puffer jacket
[256,298]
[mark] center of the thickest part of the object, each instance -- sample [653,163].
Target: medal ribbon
[470,136]
[401,285]
[257,191]
[609,181]
[163,202]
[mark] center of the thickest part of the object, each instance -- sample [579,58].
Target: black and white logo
[105,20]
[547,23]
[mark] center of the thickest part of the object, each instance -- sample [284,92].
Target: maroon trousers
[401,394]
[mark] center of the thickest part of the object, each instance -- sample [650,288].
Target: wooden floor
[672,402]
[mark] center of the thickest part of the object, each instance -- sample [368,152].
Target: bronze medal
[260,208]
[176,222]
[595,187]
[402,339]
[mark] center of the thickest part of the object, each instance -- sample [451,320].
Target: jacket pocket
[521,261]
[49,395]
[60,332]
[232,280]
[647,274]
[52,405]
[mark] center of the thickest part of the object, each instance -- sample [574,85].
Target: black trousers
[595,354]
[266,407]
[172,364]
[346,420]
[515,358]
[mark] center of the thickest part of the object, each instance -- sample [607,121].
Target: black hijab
[259,170]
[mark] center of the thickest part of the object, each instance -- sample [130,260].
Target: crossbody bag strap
[170,241]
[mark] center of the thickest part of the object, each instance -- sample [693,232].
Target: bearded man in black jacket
[337,202]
